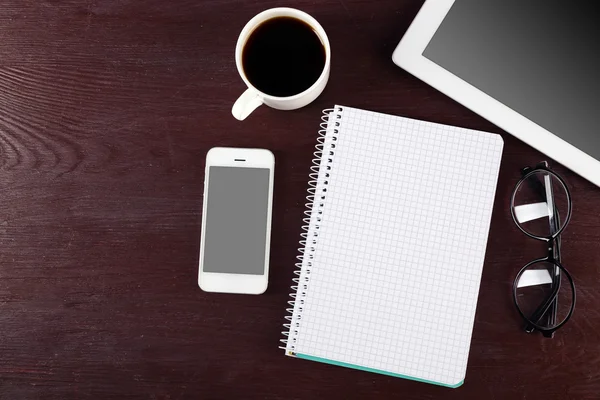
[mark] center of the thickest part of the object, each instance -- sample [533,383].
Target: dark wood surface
[107,108]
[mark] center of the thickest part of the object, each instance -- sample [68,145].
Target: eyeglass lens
[544,294]
[541,204]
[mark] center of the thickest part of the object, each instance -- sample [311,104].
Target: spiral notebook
[393,248]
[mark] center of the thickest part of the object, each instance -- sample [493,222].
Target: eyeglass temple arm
[546,192]
[549,307]
[554,252]
[542,309]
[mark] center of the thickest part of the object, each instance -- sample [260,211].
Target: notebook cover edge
[376,371]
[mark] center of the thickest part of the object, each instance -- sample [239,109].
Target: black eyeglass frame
[553,257]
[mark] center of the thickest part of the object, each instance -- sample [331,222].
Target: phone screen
[236,220]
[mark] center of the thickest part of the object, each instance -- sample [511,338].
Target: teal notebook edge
[377,371]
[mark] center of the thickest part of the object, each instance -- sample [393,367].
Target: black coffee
[283,57]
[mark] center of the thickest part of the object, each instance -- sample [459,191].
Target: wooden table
[107,108]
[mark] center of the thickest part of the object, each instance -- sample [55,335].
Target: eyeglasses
[543,290]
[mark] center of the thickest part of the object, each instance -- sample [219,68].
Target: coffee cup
[283,56]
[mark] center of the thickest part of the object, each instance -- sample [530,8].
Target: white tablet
[532,68]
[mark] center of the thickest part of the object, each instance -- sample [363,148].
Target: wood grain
[107,109]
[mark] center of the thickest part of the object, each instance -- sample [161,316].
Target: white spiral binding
[325,143]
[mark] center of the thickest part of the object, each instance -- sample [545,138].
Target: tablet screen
[539,58]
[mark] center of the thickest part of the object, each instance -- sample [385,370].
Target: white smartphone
[236,220]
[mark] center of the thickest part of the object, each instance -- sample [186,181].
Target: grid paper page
[401,246]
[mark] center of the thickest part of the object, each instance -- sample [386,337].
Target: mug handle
[245,104]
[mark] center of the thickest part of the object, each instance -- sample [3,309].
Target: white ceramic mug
[252,97]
